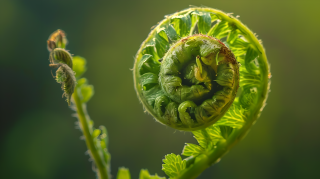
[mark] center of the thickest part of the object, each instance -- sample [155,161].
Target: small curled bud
[51,45]
[66,77]
[62,59]
[57,40]
[60,55]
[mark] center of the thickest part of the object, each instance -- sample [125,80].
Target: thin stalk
[102,170]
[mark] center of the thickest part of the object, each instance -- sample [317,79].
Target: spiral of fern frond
[187,71]
[187,74]
[202,70]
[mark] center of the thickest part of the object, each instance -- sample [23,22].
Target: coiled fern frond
[202,70]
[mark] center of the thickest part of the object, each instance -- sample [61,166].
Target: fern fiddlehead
[68,74]
[187,76]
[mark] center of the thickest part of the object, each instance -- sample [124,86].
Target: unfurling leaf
[123,173]
[173,165]
[144,174]
[65,76]
[57,40]
[86,90]
[79,65]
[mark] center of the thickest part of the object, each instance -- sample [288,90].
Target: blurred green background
[38,135]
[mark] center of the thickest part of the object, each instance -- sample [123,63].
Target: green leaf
[235,117]
[104,144]
[79,65]
[213,17]
[147,64]
[200,138]
[104,135]
[161,43]
[149,78]
[203,138]
[152,94]
[204,23]
[206,138]
[144,174]
[192,150]
[248,79]
[251,54]
[239,47]
[248,96]
[171,113]
[194,22]
[219,30]
[162,33]
[171,33]
[123,173]
[151,50]
[182,24]
[184,112]
[225,131]
[160,105]
[96,133]
[82,81]
[87,92]
[214,133]
[233,35]
[173,165]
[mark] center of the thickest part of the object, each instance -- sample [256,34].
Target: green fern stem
[102,166]
[221,148]
[68,74]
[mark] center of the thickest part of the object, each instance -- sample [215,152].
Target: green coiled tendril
[187,73]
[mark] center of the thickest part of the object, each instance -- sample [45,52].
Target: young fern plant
[199,70]
[202,70]
[78,92]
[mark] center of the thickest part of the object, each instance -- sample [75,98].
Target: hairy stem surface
[102,169]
